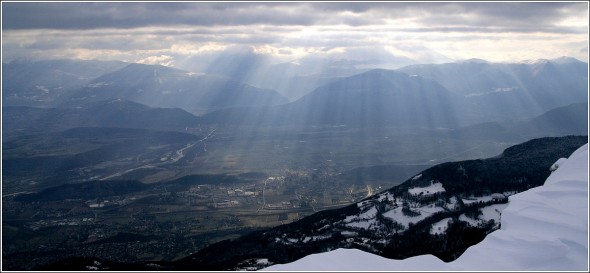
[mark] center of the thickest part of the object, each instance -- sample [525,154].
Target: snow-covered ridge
[543,229]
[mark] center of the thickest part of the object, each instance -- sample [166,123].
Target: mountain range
[566,120]
[19,120]
[68,83]
[161,86]
[509,90]
[435,95]
[46,83]
[374,98]
[111,113]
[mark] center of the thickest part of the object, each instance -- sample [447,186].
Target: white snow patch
[472,222]
[472,199]
[508,193]
[430,209]
[320,237]
[349,233]
[194,74]
[417,177]
[385,196]
[362,224]
[398,216]
[440,226]
[324,227]
[453,203]
[97,84]
[364,203]
[494,90]
[492,212]
[42,88]
[262,261]
[369,214]
[557,163]
[543,229]
[432,189]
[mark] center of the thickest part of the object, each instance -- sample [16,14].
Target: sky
[378,32]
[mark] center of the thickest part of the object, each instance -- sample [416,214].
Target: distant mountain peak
[474,60]
[560,60]
[119,103]
[151,67]
[382,72]
[536,61]
[565,59]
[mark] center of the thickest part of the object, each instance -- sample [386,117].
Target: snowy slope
[544,228]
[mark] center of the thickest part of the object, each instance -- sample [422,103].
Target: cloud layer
[423,32]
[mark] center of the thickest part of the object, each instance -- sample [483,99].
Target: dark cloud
[528,12]
[132,15]
[519,17]
[461,16]
[495,29]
